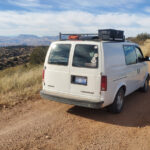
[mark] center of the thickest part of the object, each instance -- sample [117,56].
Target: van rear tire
[118,103]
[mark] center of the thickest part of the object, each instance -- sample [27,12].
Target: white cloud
[28,3]
[51,23]
[25,3]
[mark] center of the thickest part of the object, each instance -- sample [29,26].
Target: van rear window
[85,56]
[59,54]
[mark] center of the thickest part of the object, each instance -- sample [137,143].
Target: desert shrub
[38,55]
[143,37]
[140,38]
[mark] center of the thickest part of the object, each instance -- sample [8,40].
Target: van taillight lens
[43,75]
[104,83]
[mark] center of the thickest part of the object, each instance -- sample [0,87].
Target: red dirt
[47,125]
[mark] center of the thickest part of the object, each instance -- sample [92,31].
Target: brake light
[73,37]
[43,74]
[104,83]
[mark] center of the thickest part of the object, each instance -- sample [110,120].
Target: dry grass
[24,82]
[19,83]
[146,48]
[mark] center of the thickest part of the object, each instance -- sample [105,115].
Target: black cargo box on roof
[104,34]
[111,35]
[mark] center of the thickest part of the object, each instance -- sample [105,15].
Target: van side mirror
[146,58]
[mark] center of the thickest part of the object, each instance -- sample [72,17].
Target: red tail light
[43,75]
[104,83]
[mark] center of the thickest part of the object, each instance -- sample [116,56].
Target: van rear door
[57,75]
[84,71]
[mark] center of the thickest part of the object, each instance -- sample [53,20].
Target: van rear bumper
[87,104]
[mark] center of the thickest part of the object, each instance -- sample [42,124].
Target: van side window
[85,56]
[130,54]
[59,54]
[139,54]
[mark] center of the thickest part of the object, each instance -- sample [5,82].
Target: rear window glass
[86,56]
[59,54]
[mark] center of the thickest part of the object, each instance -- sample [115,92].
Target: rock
[47,137]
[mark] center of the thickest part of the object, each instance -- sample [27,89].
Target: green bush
[38,55]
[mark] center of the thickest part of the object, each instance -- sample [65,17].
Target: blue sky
[49,17]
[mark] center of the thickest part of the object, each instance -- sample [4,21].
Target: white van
[94,73]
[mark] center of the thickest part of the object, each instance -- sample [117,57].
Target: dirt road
[47,125]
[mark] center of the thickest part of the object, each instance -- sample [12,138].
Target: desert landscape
[28,28]
[14,55]
[29,122]
[46,125]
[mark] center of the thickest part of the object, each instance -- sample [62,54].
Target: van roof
[94,41]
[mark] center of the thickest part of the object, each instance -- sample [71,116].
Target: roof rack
[104,34]
[84,36]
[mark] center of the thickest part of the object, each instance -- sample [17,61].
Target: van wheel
[145,88]
[118,103]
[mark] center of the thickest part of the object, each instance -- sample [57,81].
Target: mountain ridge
[26,40]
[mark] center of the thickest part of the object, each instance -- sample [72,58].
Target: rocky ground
[14,55]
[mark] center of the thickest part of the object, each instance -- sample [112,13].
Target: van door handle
[138,70]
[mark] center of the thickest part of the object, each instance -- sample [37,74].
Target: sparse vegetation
[19,83]
[140,38]
[146,48]
[38,55]
[14,55]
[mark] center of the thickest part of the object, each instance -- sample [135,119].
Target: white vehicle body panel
[111,63]
[58,78]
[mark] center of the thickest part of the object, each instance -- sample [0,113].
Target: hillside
[28,40]
[14,55]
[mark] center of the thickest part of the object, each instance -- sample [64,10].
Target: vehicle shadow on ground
[136,112]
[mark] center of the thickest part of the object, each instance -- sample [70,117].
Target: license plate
[81,80]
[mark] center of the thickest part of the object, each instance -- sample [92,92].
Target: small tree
[38,55]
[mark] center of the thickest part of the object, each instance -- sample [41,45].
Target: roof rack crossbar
[104,34]
[84,34]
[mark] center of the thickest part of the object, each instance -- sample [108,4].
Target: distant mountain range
[26,40]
